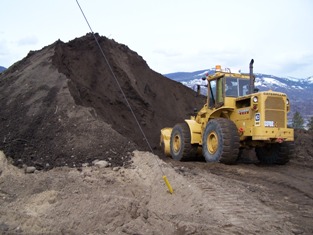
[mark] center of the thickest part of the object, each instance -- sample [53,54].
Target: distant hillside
[298,90]
[2,68]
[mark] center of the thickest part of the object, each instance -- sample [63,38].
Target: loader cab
[223,86]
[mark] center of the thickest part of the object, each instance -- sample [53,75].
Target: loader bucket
[165,140]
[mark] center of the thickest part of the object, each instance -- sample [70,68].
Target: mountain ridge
[2,69]
[299,90]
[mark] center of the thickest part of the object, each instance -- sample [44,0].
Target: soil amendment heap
[61,105]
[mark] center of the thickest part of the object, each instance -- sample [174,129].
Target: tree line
[298,122]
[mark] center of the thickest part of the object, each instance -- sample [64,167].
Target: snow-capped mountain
[2,68]
[299,91]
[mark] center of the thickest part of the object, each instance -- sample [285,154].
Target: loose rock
[102,164]
[30,169]
[115,168]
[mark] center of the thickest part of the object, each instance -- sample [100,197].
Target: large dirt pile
[62,106]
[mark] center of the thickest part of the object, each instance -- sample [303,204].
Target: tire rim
[212,142]
[177,143]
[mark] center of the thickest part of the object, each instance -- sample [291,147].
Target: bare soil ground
[61,110]
[208,199]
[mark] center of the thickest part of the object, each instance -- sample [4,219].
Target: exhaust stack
[251,77]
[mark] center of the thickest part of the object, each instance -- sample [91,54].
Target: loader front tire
[180,146]
[275,153]
[220,141]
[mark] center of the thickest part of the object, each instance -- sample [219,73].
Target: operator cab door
[215,93]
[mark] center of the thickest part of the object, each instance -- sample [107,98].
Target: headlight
[287,101]
[255,99]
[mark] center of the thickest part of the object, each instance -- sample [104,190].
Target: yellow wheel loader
[235,117]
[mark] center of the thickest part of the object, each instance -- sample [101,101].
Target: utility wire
[118,84]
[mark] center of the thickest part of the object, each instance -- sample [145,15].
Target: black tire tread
[276,153]
[230,140]
[188,150]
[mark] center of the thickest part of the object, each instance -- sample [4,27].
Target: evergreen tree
[297,121]
[310,124]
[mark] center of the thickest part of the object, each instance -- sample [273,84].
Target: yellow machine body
[260,117]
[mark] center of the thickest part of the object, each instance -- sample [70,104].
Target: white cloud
[177,35]
[28,41]
[3,47]
[167,53]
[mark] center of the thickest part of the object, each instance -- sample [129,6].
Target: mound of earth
[62,106]
[208,198]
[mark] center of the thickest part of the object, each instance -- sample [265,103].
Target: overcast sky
[172,35]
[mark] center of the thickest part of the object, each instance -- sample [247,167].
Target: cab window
[231,87]
[212,94]
[235,87]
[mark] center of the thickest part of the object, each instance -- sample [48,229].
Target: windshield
[235,87]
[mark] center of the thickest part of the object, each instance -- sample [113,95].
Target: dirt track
[287,190]
[208,199]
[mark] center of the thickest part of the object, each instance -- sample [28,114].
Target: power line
[119,86]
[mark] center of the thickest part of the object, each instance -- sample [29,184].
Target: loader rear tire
[180,146]
[220,141]
[275,153]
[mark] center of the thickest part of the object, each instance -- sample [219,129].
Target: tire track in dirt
[208,199]
[286,189]
[241,209]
